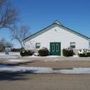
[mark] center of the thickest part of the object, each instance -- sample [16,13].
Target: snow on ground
[58,58]
[16,55]
[18,61]
[76,71]
[55,56]
[25,69]
[11,55]
[7,57]
[4,68]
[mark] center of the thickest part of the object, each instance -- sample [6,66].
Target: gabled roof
[56,23]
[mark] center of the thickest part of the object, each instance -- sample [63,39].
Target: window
[72,45]
[37,45]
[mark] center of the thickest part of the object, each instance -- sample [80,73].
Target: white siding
[58,34]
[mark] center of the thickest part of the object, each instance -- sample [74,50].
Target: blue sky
[38,14]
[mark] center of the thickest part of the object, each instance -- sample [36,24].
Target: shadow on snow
[14,75]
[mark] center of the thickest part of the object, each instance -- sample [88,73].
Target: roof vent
[57,22]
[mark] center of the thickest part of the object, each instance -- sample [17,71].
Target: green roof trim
[75,32]
[56,23]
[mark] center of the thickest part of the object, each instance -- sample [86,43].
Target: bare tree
[8,14]
[5,44]
[20,33]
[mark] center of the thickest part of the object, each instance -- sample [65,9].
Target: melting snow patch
[25,69]
[53,56]
[16,60]
[76,71]
[8,56]
[4,68]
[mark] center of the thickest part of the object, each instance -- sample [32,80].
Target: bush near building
[84,53]
[68,52]
[24,52]
[43,52]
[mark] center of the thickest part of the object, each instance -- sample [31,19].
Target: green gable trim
[51,26]
[77,33]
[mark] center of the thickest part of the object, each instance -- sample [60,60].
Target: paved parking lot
[45,82]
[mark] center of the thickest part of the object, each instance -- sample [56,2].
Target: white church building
[56,37]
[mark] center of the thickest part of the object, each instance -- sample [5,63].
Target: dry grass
[59,64]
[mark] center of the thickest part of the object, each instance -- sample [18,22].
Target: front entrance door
[55,48]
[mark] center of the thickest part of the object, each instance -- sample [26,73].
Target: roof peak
[57,22]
